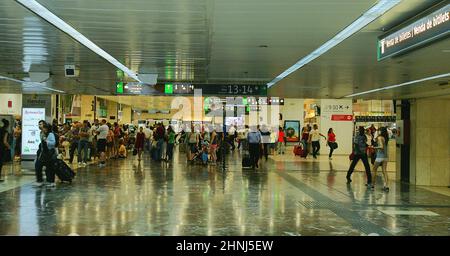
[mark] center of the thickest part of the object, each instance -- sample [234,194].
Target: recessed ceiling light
[372,14]
[32,84]
[399,85]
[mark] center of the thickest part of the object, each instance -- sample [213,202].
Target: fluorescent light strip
[372,14]
[44,13]
[399,85]
[31,83]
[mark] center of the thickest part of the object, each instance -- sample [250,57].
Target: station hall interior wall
[15,109]
[430,140]
[342,129]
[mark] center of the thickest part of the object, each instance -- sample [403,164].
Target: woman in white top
[381,157]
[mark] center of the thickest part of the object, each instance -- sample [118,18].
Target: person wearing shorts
[382,157]
[102,133]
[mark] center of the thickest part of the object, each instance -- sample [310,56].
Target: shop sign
[341,117]
[375,119]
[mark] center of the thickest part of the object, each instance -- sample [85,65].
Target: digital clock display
[230,89]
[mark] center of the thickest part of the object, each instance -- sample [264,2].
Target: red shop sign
[342,117]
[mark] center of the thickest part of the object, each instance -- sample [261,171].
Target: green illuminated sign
[168,89]
[119,87]
[416,33]
[119,74]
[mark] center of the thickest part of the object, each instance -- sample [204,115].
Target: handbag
[351,156]
[333,145]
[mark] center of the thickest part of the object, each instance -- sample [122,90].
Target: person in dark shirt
[360,152]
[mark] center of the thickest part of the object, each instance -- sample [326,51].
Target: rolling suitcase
[182,148]
[246,160]
[298,150]
[63,171]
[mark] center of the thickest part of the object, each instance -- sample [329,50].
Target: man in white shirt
[232,136]
[314,138]
[102,134]
[242,135]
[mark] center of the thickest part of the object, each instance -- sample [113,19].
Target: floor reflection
[147,198]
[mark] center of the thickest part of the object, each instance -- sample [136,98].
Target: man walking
[254,142]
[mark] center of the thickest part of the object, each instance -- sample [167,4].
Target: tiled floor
[287,196]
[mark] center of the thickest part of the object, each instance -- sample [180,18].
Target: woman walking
[331,142]
[110,142]
[18,138]
[4,145]
[140,141]
[281,141]
[381,157]
[213,146]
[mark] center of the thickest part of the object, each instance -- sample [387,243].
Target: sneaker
[84,164]
[2,180]
[50,185]
[38,184]
[80,163]
[386,189]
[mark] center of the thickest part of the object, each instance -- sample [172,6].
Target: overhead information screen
[425,30]
[133,88]
[233,89]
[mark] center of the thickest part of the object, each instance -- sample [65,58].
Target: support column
[405,147]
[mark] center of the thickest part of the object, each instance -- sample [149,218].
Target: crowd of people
[104,141]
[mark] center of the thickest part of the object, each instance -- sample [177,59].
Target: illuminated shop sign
[425,30]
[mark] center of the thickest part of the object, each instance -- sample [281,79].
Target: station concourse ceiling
[217,42]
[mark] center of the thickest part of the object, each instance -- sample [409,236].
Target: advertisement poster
[30,129]
[292,130]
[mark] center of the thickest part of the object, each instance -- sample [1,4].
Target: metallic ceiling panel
[211,41]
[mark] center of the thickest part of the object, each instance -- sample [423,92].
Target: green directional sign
[119,87]
[168,89]
[119,74]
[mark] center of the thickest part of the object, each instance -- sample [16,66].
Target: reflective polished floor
[287,196]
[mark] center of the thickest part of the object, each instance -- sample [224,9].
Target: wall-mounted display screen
[31,135]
